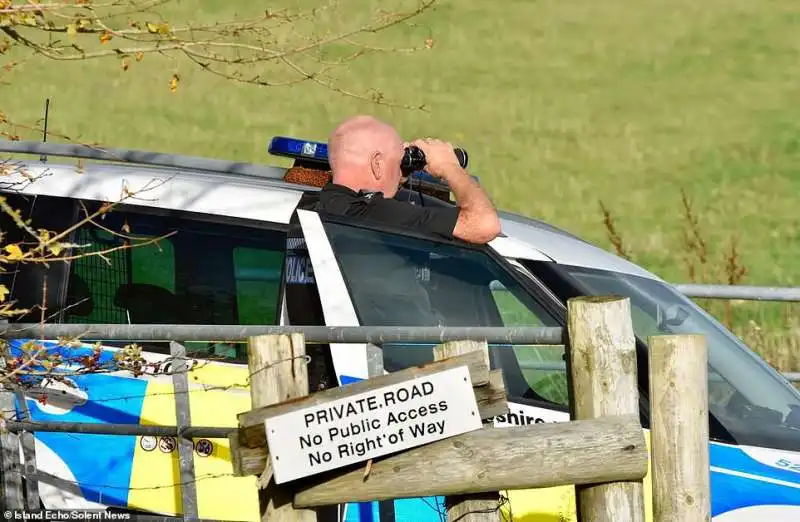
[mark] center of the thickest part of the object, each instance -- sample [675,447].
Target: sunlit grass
[560,104]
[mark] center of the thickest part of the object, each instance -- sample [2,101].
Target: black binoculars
[414,159]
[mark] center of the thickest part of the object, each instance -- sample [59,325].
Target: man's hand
[477,219]
[440,157]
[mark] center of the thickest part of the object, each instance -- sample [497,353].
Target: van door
[400,278]
[311,268]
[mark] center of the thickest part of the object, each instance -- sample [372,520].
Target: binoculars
[414,159]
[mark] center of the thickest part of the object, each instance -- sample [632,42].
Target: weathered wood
[483,506]
[28,441]
[252,434]
[522,457]
[11,494]
[603,370]
[679,428]
[278,373]
[491,399]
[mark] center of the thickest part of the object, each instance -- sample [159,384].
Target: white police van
[236,256]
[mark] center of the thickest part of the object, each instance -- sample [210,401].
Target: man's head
[365,154]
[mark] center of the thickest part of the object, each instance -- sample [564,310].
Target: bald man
[365,155]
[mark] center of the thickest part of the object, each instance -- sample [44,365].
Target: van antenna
[43,157]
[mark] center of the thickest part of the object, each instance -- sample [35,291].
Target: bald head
[364,154]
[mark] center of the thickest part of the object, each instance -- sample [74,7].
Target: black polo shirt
[342,201]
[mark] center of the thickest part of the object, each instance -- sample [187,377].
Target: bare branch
[271,39]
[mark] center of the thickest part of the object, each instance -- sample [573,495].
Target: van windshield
[749,398]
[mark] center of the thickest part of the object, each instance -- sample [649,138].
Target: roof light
[314,155]
[299,149]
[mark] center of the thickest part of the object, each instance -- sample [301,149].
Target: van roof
[239,190]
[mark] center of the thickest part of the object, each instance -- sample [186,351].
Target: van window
[544,367]
[397,280]
[28,281]
[190,272]
[746,396]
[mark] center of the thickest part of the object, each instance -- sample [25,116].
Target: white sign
[371,424]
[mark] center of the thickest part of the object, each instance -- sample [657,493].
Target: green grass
[560,104]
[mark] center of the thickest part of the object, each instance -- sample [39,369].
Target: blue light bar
[299,149]
[318,152]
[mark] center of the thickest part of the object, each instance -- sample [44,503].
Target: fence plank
[679,432]
[603,371]
[10,465]
[477,507]
[28,441]
[519,457]
[278,373]
[180,382]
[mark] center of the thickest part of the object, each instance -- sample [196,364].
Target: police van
[238,247]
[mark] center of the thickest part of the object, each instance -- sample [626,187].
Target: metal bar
[141,157]
[185,445]
[12,496]
[792,376]
[313,334]
[744,292]
[555,366]
[29,454]
[206,432]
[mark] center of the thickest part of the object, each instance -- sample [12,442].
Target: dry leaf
[162,28]
[124,64]
[429,43]
[139,56]
[14,252]
[56,248]
[173,83]
[105,37]
[3,292]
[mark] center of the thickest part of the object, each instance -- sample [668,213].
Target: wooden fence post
[603,371]
[476,507]
[11,493]
[679,428]
[278,372]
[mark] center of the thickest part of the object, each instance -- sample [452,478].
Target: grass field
[560,104]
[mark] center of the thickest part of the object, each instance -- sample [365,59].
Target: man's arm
[477,218]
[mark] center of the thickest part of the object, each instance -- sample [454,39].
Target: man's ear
[376,164]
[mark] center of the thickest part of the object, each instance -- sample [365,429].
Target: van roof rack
[140,157]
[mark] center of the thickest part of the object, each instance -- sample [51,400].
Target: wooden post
[180,383]
[29,455]
[679,428]
[11,496]
[483,507]
[603,371]
[278,372]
